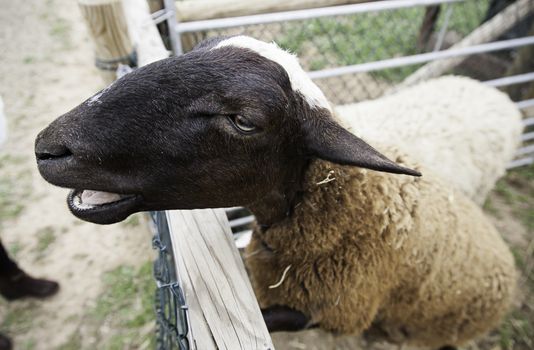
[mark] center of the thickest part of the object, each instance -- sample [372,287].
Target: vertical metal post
[172,23]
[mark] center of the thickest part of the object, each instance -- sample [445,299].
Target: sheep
[408,258]
[346,239]
[463,130]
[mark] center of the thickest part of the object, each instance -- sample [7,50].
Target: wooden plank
[201,336]
[108,30]
[143,31]
[194,10]
[208,257]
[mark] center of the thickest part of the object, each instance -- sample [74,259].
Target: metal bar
[525,150]
[520,162]
[242,239]
[161,15]
[511,80]
[158,13]
[527,136]
[525,104]
[528,122]
[242,221]
[232,209]
[443,30]
[422,58]
[176,42]
[297,15]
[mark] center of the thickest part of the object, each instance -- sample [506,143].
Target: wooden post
[485,33]
[427,27]
[148,43]
[109,32]
[155,5]
[523,63]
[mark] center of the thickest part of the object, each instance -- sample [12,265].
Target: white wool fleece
[461,129]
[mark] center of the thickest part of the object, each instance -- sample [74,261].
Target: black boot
[21,285]
[5,343]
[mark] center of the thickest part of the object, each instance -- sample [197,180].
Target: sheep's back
[461,129]
[457,265]
[457,277]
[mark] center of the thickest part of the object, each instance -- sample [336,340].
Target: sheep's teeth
[92,198]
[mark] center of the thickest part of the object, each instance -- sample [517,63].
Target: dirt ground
[46,68]
[105,302]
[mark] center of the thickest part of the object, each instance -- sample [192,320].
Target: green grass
[125,309]
[28,60]
[15,248]
[516,191]
[367,37]
[19,319]
[60,30]
[132,221]
[13,188]
[74,343]
[45,237]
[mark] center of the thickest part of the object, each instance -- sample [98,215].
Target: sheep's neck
[278,204]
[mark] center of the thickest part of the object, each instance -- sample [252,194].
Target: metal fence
[359,52]
[172,321]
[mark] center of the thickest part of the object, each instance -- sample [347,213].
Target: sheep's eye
[242,124]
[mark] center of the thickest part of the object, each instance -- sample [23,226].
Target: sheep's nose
[48,151]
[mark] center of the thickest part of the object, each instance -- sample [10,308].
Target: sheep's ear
[328,140]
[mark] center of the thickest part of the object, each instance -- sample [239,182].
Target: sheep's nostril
[52,152]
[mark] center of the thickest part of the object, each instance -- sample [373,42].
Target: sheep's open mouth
[102,207]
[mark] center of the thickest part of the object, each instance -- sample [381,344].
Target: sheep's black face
[218,127]
[208,129]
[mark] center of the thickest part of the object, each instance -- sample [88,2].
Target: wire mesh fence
[343,40]
[170,306]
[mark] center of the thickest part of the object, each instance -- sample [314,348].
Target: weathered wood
[155,5]
[214,278]
[487,32]
[193,10]
[427,27]
[108,30]
[144,33]
[523,63]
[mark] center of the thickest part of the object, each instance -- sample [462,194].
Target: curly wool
[461,129]
[401,256]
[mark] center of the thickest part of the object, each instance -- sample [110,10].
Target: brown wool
[405,257]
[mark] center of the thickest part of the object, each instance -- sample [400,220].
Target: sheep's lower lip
[105,212]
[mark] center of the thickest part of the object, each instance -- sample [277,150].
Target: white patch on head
[95,99]
[300,81]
